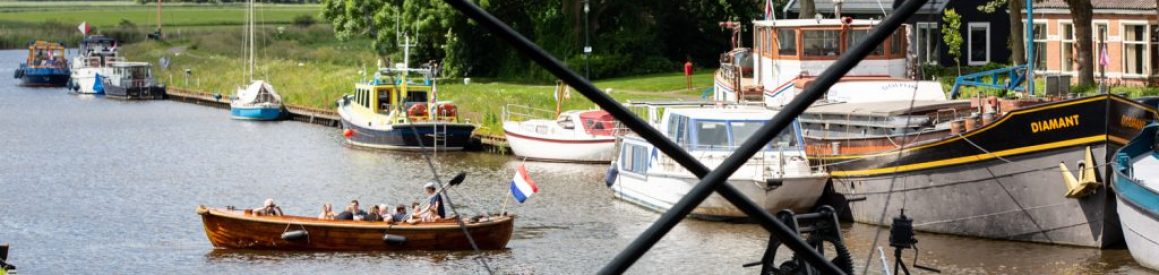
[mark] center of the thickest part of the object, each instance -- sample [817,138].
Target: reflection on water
[89,185]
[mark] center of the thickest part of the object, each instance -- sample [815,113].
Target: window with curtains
[1068,46]
[1134,48]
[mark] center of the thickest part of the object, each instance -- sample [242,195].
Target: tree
[1016,43]
[385,21]
[808,9]
[952,36]
[1082,11]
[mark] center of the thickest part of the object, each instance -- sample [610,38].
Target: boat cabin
[790,48]
[130,74]
[98,51]
[716,129]
[400,102]
[43,54]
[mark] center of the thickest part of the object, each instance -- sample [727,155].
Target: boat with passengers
[92,62]
[395,111]
[776,178]
[46,65]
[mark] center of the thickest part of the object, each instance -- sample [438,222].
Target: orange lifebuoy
[419,109]
[448,110]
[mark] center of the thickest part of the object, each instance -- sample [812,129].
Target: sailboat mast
[250,40]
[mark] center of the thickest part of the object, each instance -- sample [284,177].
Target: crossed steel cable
[710,179]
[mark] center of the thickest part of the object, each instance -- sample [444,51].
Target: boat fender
[394,239]
[296,235]
[348,133]
[610,177]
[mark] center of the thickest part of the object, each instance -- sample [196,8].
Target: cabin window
[855,37]
[635,159]
[416,96]
[1135,49]
[711,134]
[677,129]
[787,41]
[928,37]
[821,42]
[742,131]
[895,43]
[978,43]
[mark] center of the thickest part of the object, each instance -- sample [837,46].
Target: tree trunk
[1081,10]
[1017,42]
[808,9]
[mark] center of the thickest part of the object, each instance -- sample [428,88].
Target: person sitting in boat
[374,215]
[347,214]
[399,213]
[269,209]
[327,212]
[435,204]
[352,212]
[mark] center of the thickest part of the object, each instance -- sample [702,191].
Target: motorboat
[92,62]
[132,80]
[573,136]
[1137,189]
[46,65]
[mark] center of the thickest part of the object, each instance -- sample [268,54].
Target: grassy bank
[21,22]
[310,68]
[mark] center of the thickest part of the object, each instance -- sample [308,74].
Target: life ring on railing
[419,109]
[448,110]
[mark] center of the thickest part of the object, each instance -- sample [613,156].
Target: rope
[439,183]
[892,180]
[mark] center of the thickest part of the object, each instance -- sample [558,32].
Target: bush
[304,21]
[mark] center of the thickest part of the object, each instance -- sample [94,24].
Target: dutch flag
[522,187]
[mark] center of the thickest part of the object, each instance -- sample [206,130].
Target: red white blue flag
[522,187]
[768,9]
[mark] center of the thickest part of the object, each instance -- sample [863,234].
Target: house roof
[864,7]
[1101,4]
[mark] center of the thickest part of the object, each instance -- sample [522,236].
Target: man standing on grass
[688,72]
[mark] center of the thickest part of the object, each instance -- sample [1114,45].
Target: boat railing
[769,163]
[517,112]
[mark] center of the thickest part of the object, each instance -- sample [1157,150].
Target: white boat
[575,136]
[258,100]
[1137,189]
[96,55]
[778,177]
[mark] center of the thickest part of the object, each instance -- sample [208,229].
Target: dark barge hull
[1001,181]
[44,80]
[147,92]
[450,136]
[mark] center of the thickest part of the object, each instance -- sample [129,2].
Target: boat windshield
[730,134]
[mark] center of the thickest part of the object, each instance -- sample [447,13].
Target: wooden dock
[329,118]
[300,113]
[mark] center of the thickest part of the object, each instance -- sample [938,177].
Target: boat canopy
[598,123]
[46,54]
[259,91]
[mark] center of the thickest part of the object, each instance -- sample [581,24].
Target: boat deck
[1142,171]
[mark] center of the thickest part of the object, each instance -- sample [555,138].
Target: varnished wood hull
[228,229]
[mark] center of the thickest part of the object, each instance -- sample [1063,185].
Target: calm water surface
[92,185]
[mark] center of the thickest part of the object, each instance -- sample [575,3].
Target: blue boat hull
[256,113]
[49,77]
[451,136]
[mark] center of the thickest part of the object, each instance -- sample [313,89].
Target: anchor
[820,227]
[1087,181]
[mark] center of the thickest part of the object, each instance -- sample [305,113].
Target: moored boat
[132,80]
[258,100]
[236,229]
[46,65]
[95,54]
[575,136]
[776,178]
[1137,188]
[393,111]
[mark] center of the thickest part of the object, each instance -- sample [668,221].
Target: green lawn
[146,15]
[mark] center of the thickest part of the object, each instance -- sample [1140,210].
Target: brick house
[1128,28]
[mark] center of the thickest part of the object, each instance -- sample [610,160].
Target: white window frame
[970,43]
[1124,44]
[1062,49]
[931,54]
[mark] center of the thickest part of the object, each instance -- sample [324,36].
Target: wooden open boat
[234,229]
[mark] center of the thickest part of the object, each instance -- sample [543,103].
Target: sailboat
[258,100]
